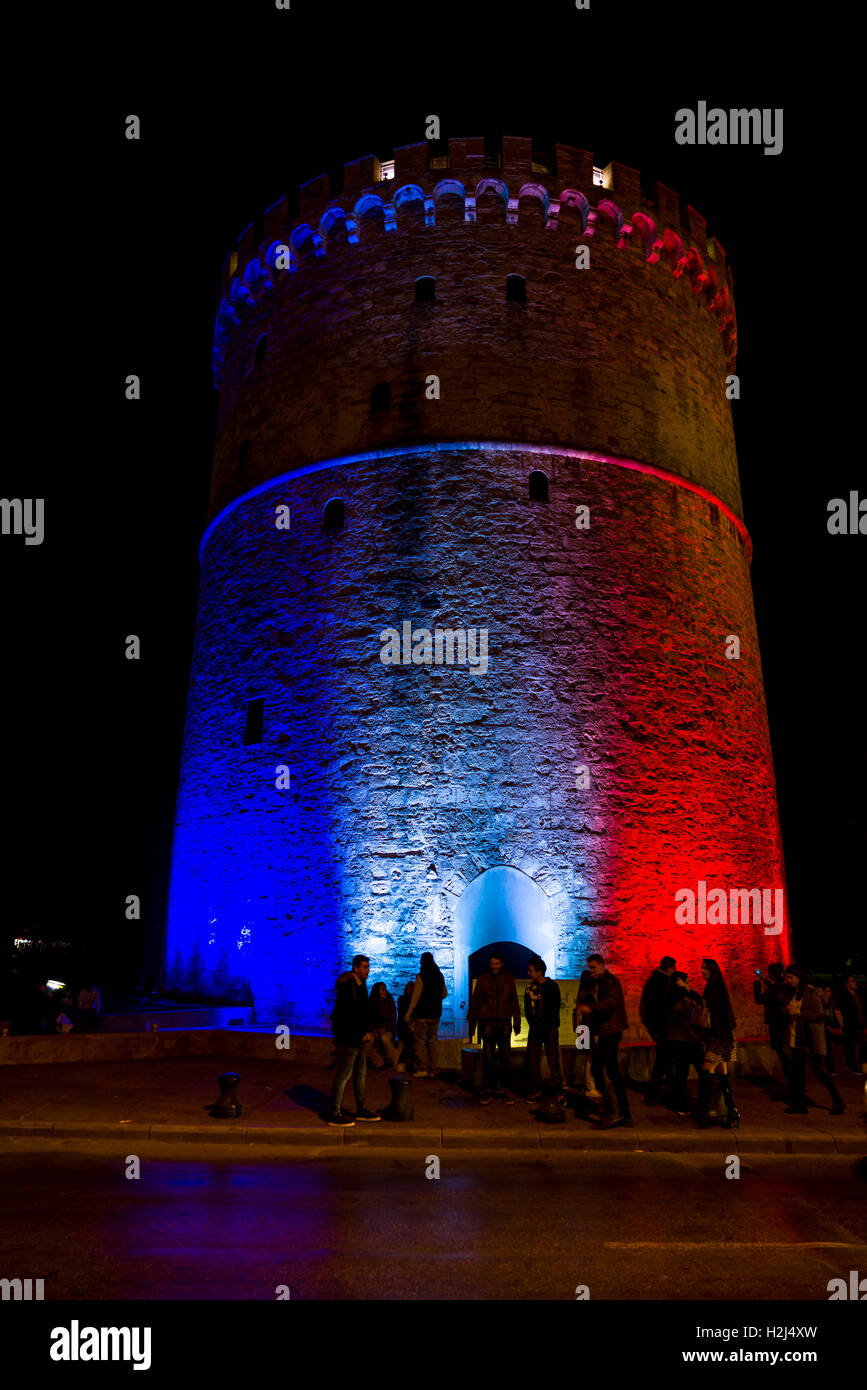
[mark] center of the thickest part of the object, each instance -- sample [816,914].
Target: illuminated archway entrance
[502,904]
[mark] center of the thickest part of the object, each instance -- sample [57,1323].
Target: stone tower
[446,431]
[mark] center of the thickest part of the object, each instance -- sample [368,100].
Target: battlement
[559,190]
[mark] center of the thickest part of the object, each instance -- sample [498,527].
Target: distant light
[603,178]
[55,984]
[19,941]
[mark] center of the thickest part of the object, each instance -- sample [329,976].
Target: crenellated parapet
[574,202]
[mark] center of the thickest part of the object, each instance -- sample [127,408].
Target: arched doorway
[500,905]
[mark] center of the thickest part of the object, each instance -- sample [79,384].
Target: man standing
[605,1013]
[656,998]
[542,1011]
[350,1026]
[494,1006]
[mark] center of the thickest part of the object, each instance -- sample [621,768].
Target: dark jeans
[550,1041]
[351,1061]
[605,1060]
[662,1066]
[681,1054]
[496,1046]
[853,1048]
[798,1077]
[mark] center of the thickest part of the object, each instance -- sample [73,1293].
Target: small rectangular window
[255,720]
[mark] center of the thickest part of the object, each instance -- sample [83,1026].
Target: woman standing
[425,1011]
[716,1021]
[806,1038]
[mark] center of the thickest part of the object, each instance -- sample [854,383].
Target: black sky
[239,105]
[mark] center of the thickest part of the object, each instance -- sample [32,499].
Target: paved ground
[362,1225]
[164,1100]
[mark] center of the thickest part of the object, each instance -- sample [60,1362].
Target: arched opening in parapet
[538,486]
[333,516]
[516,289]
[380,397]
[506,908]
[425,288]
[261,349]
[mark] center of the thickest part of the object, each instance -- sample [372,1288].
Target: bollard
[228,1107]
[399,1108]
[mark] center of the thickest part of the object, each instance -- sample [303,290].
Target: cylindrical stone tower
[476,656]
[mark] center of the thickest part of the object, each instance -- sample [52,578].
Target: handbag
[701,1017]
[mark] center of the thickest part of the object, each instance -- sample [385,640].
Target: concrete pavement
[284,1098]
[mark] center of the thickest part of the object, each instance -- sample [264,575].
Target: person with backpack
[425,1011]
[350,1026]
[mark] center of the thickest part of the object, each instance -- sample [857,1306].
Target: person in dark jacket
[542,1012]
[833,1027]
[425,1011]
[773,995]
[404,1029]
[655,1002]
[350,1025]
[383,1025]
[603,1009]
[681,1037]
[718,1040]
[494,1006]
[806,1038]
[851,1006]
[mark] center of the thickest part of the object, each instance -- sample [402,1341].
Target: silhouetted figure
[383,1025]
[404,1030]
[773,995]
[542,1012]
[655,1002]
[851,1006]
[716,1022]
[350,1025]
[603,1009]
[494,1006]
[806,1038]
[425,1011]
[682,1039]
[89,1005]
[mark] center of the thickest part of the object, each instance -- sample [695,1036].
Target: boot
[733,1115]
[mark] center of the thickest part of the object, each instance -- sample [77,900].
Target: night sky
[238,111]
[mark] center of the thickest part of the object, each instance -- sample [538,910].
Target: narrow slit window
[380,397]
[261,349]
[255,721]
[516,289]
[332,517]
[425,287]
[538,486]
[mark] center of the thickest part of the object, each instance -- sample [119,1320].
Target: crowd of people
[690,1029]
[40,1007]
